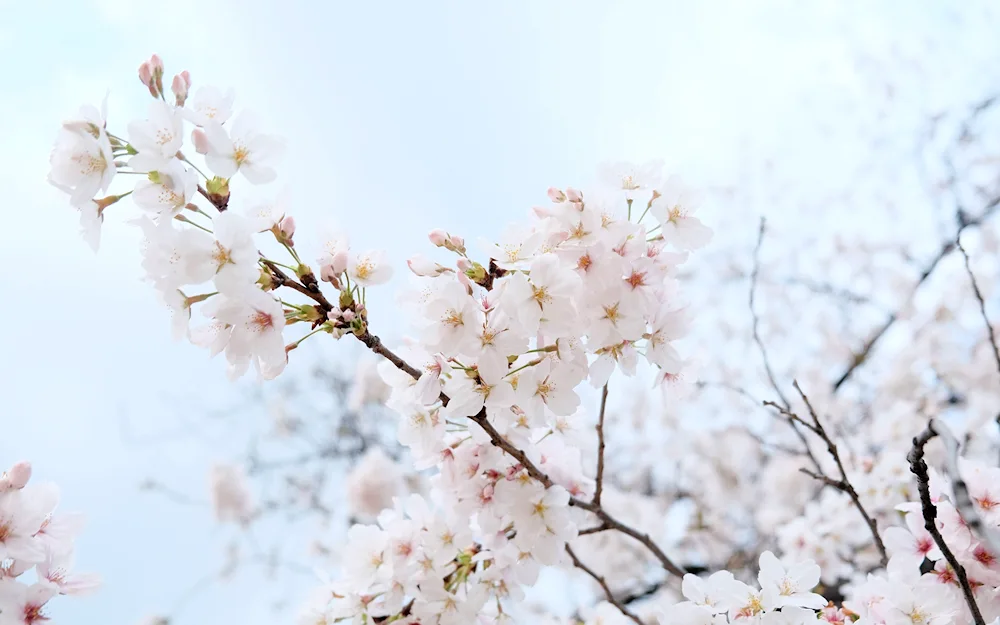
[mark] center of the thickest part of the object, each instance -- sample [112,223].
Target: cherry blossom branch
[843,484]
[963,501]
[375,343]
[861,357]
[308,287]
[982,304]
[604,586]
[756,318]
[600,448]
[919,468]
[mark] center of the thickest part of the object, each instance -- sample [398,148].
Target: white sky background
[400,117]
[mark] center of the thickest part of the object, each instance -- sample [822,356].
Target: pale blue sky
[400,117]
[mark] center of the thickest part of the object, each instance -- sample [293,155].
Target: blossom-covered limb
[500,441]
[929,511]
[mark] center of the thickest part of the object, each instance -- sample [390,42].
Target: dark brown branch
[604,586]
[612,523]
[597,529]
[919,468]
[639,595]
[982,305]
[843,484]
[947,247]
[600,448]
[756,319]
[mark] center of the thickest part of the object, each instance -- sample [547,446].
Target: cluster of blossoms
[490,395]
[36,549]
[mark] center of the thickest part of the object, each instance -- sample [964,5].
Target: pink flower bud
[573,195]
[156,64]
[327,274]
[438,237]
[180,86]
[456,242]
[423,266]
[466,282]
[348,315]
[146,74]
[556,195]
[339,262]
[464,264]
[19,475]
[200,140]
[541,212]
[287,227]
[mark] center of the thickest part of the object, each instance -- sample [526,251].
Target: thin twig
[982,304]
[919,468]
[947,247]
[793,419]
[600,448]
[843,484]
[756,319]
[639,595]
[597,529]
[604,586]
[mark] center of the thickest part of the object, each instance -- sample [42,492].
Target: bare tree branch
[604,586]
[756,319]
[600,448]
[843,484]
[861,357]
[982,304]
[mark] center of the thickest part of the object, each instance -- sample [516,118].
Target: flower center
[261,321]
[241,154]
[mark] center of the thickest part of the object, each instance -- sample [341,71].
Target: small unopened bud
[348,315]
[287,228]
[438,237]
[456,244]
[157,64]
[339,261]
[573,195]
[180,86]
[146,74]
[218,192]
[18,475]
[327,274]
[200,140]
[463,264]
[556,195]
[422,266]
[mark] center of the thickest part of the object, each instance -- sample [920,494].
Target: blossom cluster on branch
[36,549]
[489,394]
